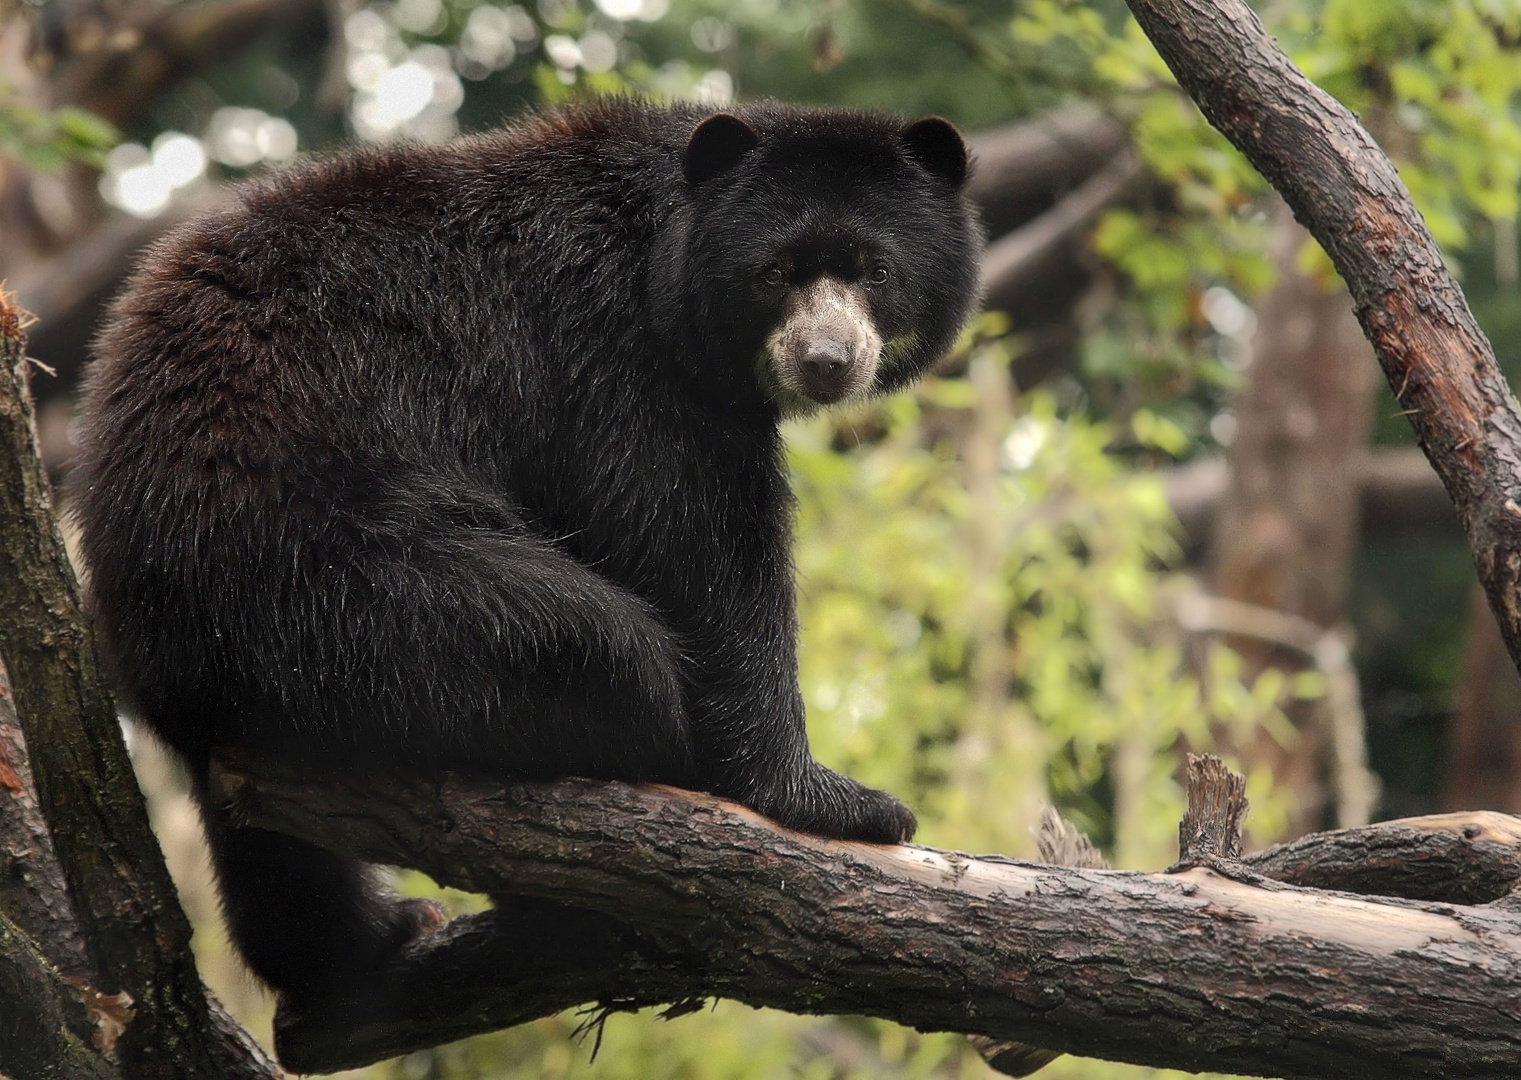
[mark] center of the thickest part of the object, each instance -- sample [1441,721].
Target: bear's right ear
[717,146]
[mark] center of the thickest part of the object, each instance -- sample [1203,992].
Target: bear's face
[827,255]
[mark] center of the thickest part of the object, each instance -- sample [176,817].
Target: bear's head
[824,255]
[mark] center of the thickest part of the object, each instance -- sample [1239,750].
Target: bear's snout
[827,347]
[825,364]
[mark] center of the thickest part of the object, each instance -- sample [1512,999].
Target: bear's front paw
[828,804]
[877,817]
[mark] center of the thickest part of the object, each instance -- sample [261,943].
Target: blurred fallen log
[1398,492]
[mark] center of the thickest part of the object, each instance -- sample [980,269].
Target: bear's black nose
[826,360]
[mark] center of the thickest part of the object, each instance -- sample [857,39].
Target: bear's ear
[717,146]
[936,144]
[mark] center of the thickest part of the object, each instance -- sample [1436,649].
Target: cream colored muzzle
[827,348]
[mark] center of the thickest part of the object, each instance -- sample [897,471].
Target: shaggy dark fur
[466,457]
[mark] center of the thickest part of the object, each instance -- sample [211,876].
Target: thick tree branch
[41,1034]
[136,937]
[1348,195]
[680,896]
[32,890]
[1466,858]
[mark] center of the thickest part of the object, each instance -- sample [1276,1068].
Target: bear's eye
[775,275]
[877,276]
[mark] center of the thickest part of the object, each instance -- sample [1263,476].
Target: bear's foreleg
[747,715]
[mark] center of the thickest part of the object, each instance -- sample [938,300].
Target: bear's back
[355,320]
[363,304]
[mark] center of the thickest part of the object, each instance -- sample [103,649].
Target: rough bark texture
[40,1036]
[46,1035]
[1348,195]
[1210,831]
[136,936]
[1470,858]
[32,890]
[1191,970]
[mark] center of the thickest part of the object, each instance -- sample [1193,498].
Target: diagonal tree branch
[1024,168]
[680,896]
[1348,195]
[137,938]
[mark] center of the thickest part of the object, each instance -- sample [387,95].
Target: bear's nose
[825,360]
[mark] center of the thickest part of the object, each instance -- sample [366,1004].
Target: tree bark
[1348,195]
[680,896]
[1472,858]
[32,890]
[41,1036]
[136,937]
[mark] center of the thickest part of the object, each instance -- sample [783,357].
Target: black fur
[459,458]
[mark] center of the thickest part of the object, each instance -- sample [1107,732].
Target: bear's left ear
[717,146]
[936,144]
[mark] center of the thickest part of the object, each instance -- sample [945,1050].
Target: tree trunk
[1484,737]
[136,937]
[1288,522]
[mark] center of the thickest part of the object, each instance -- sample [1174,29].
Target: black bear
[467,457]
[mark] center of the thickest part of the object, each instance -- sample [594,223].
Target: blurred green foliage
[49,139]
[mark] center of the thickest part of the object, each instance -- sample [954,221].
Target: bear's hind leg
[316,928]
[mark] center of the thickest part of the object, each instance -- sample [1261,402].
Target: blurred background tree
[1156,499]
